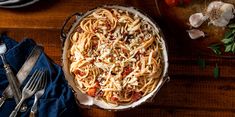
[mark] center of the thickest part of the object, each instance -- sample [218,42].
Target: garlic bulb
[195,33]
[220,13]
[197,19]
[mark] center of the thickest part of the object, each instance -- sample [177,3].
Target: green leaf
[215,48]
[233,48]
[202,63]
[227,40]
[229,33]
[228,48]
[231,25]
[216,71]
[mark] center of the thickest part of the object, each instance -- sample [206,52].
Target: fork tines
[33,80]
[43,81]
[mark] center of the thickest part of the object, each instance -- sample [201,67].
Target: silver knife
[23,72]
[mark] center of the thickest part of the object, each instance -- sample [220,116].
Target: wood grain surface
[191,92]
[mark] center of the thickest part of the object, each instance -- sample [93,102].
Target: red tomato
[114,98]
[186,2]
[127,70]
[172,2]
[97,84]
[136,96]
[91,92]
[79,72]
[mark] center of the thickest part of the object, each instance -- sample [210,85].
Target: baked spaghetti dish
[115,56]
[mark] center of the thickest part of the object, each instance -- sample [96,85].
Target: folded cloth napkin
[58,99]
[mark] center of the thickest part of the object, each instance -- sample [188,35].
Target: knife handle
[14,83]
[2,100]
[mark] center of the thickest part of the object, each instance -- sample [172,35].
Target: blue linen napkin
[58,99]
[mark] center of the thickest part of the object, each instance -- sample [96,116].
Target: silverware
[22,74]
[38,94]
[29,89]
[13,82]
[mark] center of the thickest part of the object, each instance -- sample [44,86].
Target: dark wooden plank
[170,112]
[190,92]
[195,70]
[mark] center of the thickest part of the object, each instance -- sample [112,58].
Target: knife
[23,72]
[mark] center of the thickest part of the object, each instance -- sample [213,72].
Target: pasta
[116,56]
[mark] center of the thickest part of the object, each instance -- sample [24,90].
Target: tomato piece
[125,51]
[187,2]
[172,3]
[78,72]
[91,92]
[114,98]
[136,96]
[97,84]
[127,70]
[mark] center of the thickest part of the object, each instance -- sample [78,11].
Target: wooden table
[191,91]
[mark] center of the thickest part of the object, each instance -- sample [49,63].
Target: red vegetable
[127,70]
[91,92]
[172,3]
[97,84]
[187,2]
[136,96]
[78,72]
[114,98]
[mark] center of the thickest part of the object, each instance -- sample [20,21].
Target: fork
[29,89]
[38,94]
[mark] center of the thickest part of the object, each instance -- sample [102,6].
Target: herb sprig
[216,71]
[229,39]
[215,48]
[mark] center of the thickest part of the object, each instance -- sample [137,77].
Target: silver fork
[29,89]
[38,94]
